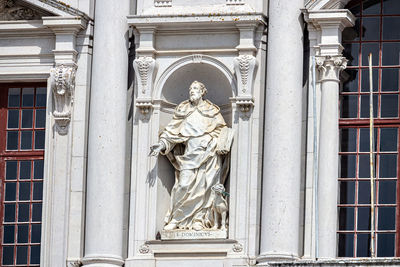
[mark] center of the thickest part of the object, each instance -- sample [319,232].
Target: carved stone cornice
[245,69]
[62,83]
[330,67]
[10,10]
[145,69]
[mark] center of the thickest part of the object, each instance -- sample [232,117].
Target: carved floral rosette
[145,71]
[62,83]
[245,69]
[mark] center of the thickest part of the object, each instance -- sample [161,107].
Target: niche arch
[171,89]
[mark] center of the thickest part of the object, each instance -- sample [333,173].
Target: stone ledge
[377,262]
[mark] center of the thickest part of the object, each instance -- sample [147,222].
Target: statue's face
[195,92]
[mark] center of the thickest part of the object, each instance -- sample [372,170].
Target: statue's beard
[194,98]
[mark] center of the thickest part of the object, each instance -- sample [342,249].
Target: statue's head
[196,91]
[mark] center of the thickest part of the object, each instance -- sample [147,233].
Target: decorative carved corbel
[330,67]
[62,83]
[245,69]
[145,69]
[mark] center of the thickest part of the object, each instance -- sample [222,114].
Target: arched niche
[173,88]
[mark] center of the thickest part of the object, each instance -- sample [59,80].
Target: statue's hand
[156,149]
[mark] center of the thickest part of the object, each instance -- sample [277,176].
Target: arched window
[22,128]
[377,32]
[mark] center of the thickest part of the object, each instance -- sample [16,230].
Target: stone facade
[115,73]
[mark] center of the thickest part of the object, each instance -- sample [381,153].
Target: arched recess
[171,89]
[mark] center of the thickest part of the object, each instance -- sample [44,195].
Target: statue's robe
[191,140]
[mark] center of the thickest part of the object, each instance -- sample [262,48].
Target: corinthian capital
[62,83]
[330,67]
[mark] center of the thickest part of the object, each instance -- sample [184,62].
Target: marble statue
[197,142]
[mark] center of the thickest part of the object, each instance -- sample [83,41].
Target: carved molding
[74,263]
[330,67]
[62,83]
[145,70]
[197,58]
[237,247]
[162,3]
[234,2]
[10,10]
[144,249]
[245,69]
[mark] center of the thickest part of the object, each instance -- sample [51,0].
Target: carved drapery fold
[62,83]
[330,67]
[245,69]
[145,69]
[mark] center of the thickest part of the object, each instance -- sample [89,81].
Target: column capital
[330,67]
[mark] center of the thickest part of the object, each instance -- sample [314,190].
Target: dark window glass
[22,255]
[348,106]
[351,83]
[38,169]
[24,170]
[36,233]
[385,245]
[11,170]
[347,192]
[365,80]
[23,230]
[40,120]
[9,212]
[346,218]
[364,139]
[364,218]
[12,140]
[26,140]
[346,244]
[391,26]
[37,191]
[387,192]
[390,79]
[364,192]
[13,97]
[390,53]
[389,106]
[388,139]
[27,118]
[13,119]
[363,166]
[391,7]
[11,189]
[8,234]
[371,7]
[370,29]
[347,166]
[363,245]
[8,255]
[40,97]
[35,254]
[388,166]
[39,139]
[386,218]
[348,140]
[24,191]
[27,97]
[365,106]
[368,48]
[36,212]
[351,51]
[23,212]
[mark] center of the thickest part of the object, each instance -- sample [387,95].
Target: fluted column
[107,141]
[330,67]
[280,218]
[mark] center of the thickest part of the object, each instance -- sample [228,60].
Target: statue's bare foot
[197,226]
[223,228]
[215,227]
[170,226]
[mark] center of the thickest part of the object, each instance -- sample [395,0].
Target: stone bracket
[62,84]
[245,69]
[145,70]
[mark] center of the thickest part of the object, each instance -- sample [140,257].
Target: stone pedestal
[193,235]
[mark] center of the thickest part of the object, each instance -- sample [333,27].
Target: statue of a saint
[196,142]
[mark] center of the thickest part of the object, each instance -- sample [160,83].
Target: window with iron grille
[22,134]
[377,32]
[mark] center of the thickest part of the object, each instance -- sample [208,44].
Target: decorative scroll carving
[145,71]
[237,247]
[245,69]
[144,249]
[330,67]
[162,3]
[62,82]
[10,10]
